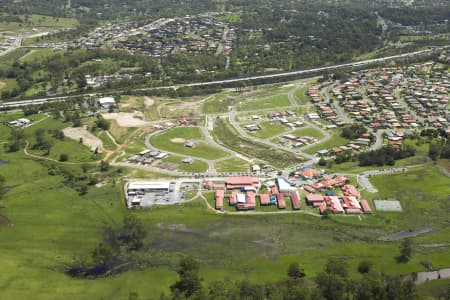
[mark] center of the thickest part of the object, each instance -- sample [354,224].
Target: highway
[18,103]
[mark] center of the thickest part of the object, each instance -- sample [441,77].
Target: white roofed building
[107,102]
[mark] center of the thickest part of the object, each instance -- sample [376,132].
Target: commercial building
[107,102]
[242,182]
[284,186]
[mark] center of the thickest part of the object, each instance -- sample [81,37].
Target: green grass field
[268,130]
[227,136]
[8,84]
[300,95]
[232,165]
[272,102]
[334,141]
[36,54]
[201,149]
[53,224]
[197,166]
[39,22]
[308,131]
[107,142]
[218,104]
[76,151]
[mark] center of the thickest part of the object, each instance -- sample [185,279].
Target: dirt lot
[2,84]
[148,101]
[127,119]
[89,139]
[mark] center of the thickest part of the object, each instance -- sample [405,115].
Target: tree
[434,151]
[295,272]
[189,282]
[63,157]
[15,140]
[405,251]
[102,124]
[102,255]
[365,266]
[104,166]
[322,162]
[133,232]
[333,281]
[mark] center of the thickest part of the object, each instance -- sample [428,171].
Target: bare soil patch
[148,101]
[89,139]
[127,119]
[168,166]
[4,221]
[178,140]
[2,84]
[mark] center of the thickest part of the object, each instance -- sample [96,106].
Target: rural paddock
[89,139]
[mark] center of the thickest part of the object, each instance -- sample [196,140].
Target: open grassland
[36,54]
[423,193]
[308,131]
[196,166]
[436,288]
[334,141]
[40,22]
[9,58]
[300,95]
[268,129]
[121,134]
[164,141]
[272,102]
[7,84]
[228,137]
[52,224]
[77,152]
[219,103]
[108,144]
[232,165]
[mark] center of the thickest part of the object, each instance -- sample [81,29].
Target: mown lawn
[300,95]
[272,102]
[334,141]
[308,131]
[201,149]
[268,129]
[232,165]
[197,166]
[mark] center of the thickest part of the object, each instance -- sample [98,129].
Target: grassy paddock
[228,137]
[334,141]
[272,102]
[70,225]
[233,165]
[268,130]
[201,149]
